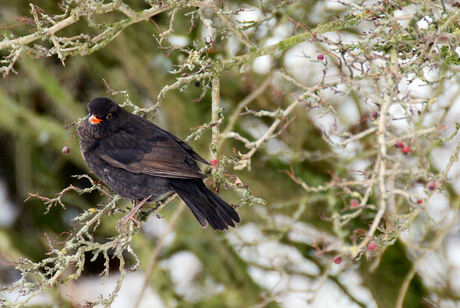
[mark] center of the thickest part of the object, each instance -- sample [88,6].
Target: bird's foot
[122,222]
[130,216]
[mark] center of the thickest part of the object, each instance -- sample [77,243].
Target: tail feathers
[205,205]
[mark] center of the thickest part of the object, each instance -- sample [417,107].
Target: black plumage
[138,159]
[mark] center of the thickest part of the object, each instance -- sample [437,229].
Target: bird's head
[105,117]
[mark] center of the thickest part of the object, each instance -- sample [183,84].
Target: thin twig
[156,251]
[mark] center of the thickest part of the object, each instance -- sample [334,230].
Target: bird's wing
[157,153]
[185,146]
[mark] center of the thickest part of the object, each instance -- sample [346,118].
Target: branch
[156,251]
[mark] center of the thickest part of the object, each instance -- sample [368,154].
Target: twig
[245,160]
[386,103]
[156,251]
[248,99]
[215,116]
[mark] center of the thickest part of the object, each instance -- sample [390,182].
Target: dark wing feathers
[187,147]
[159,153]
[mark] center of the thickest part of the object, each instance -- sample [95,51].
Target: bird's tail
[204,204]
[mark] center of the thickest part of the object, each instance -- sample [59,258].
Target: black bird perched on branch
[140,161]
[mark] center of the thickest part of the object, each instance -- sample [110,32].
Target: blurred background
[275,256]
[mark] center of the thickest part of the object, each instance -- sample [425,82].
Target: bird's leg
[130,215]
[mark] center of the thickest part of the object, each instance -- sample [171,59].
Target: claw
[130,216]
[123,221]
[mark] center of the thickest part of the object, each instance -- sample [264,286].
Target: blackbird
[141,161]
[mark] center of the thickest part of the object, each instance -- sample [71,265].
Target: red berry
[214,162]
[399,144]
[431,186]
[337,260]
[374,114]
[371,246]
[419,201]
[320,57]
[354,203]
[65,150]
[406,149]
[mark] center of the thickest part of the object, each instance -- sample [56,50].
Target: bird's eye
[109,116]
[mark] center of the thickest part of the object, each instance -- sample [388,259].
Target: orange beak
[94,120]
